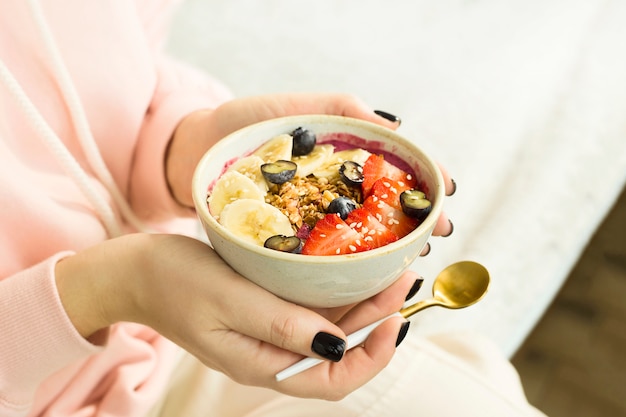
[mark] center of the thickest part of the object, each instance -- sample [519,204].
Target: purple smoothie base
[343,141]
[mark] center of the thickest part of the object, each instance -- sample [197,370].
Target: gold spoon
[458,286]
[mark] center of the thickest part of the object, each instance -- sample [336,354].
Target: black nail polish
[451,228]
[453,187]
[414,289]
[402,333]
[328,346]
[425,250]
[388,116]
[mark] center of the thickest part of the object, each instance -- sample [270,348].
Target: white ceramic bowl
[318,281]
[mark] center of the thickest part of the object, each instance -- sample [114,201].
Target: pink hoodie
[132,97]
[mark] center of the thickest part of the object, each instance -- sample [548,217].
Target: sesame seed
[339,226]
[409,177]
[394,190]
[353,225]
[384,196]
[371,232]
[322,234]
[387,184]
[401,183]
[338,251]
[379,217]
[352,248]
[368,239]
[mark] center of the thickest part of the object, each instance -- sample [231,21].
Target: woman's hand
[202,129]
[182,289]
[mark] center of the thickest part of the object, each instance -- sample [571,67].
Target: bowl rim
[202,210]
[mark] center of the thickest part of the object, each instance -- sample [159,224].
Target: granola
[305,200]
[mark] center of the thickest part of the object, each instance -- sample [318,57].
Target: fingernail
[402,333]
[425,250]
[388,116]
[414,289]
[453,187]
[451,228]
[328,346]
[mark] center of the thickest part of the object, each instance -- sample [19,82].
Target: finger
[444,226]
[304,331]
[337,104]
[332,381]
[281,323]
[351,106]
[448,181]
[237,113]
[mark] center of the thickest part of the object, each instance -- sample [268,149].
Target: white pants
[444,375]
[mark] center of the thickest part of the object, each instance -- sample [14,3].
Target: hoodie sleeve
[180,89]
[41,342]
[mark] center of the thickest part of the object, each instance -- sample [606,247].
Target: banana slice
[331,167]
[255,221]
[309,163]
[233,186]
[250,166]
[277,148]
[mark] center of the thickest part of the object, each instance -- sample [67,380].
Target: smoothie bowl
[322,211]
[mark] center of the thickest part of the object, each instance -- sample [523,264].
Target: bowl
[318,281]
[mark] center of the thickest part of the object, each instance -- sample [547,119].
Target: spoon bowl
[458,286]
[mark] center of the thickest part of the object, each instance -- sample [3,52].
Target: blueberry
[415,204]
[303,141]
[342,206]
[351,173]
[279,172]
[290,244]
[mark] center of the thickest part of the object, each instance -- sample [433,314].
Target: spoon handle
[408,311]
[354,339]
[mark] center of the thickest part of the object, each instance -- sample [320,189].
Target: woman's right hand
[180,287]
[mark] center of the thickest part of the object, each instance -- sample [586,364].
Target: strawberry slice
[332,236]
[389,191]
[374,232]
[375,167]
[392,218]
